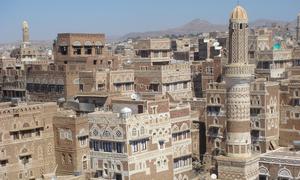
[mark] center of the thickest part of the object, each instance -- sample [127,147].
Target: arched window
[284,173]
[25,125]
[106,133]
[63,158]
[70,160]
[84,162]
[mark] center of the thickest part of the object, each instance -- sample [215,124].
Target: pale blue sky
[117,17]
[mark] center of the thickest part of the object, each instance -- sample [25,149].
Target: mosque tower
[25,30]
[298,29]
[239,163]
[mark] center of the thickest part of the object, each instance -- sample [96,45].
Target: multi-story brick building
[152,51]
[173,79]
[71,142]
[12,79]
[27,144]
[86,49]
[100,86]
[216,118]
[264,114]
[136,144]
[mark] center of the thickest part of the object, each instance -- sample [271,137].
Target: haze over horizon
[47,18]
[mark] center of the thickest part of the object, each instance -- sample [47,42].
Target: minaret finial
[238,2]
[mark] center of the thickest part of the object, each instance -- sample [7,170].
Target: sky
[46,18]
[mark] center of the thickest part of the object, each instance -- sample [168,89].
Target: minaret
[25,29]
[239,163]
[298,29]
[237,77]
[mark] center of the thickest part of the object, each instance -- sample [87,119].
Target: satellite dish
[135,96]
[213,176]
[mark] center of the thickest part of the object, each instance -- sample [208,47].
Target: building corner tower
[239,162]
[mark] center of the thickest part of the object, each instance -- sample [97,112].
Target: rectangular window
[107,146]
[161,144]
[164,54]
[144,144]
[174,137]
[76,50]
[153,87]
[118,87]
[81,87]
[168,87]
[119,147]
[88,50]
[98,50]
[63,50]
[3,163]
[100,87]
[144,54]
[140,109]
[135,146]
[185,85]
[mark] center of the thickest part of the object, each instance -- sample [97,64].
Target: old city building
[151,52]
[215,103]
[135,144]
[264,115]
[26,140]
[12,78]
[100,86]
[173,80]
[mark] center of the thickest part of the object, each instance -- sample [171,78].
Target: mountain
[198,26]
[193,27]
[269,22]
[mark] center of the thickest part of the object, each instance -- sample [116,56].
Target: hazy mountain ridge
[192,27]
[199,26]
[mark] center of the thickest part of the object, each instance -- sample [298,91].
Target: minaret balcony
[237,70]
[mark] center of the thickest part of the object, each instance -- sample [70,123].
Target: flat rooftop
[283,154]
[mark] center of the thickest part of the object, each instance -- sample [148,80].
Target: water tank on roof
[125,112]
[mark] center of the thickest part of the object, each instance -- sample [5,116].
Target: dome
[126,110]
[239,13]
[25,24]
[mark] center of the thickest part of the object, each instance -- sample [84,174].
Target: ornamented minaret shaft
[237,76]
[239,162]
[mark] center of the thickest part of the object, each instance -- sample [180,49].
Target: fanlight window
[106,133]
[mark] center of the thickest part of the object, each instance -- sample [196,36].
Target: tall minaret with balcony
[237,76]
[239,163]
